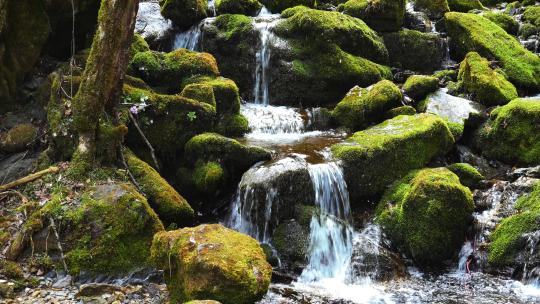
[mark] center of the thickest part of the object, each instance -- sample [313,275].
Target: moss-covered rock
[362,107]
[234,156]
[527,30]
[277,6]
[512,134]
[212,262]
[468,175]
[464,5]
[184,13]
[244,7]
[291,240]
[508,238]
[414,50]
[486,85]
[427,214]
[532,15]
[403,110]
[163,198]
[225,91]
[234,125]
[208,177]
[138,45]
[374,158]
[434,8]
[380,15]
[18,138]
[505,21]
[470,32]
[418,86]
[352,35]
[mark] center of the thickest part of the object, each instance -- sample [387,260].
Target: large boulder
[470,32]
[505,21]
[384,15]
[414,50]
[362,107]
[244,7]
[277,6]
[212,262]
[434,8]
[419,86]
[184,13]
[464,5]
[512,134]
[427,214]
[532,15]
[18,138]
[486,85]
[374,158]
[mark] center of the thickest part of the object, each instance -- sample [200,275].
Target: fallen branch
[152,151]
[53,226]
[133,180]
[28,178]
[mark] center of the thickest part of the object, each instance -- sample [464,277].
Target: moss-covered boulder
[212,262]
[464,5]
[362,107]
[291,240]
[208,177]
[486,85]
[403,110]
[508,241]
[277,6]
[374,158]
[184,13]
[434,8]
[505,21]
[23,34]
[225,93]
[414,50]
[419,86]
[532,15]
[512,134]
[18,138]
[468,175]
[244,7]
[380,15]
[470,32]
[427,214]
[163,198]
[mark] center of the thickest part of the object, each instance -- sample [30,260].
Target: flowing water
[264,23]
[191,39]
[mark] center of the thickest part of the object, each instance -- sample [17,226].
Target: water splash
[263,24]
[331,232]
[453,108]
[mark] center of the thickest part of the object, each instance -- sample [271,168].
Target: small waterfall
[273,120]
[212,7]
[263,24]
[365,264]
[191,39]
[331,232]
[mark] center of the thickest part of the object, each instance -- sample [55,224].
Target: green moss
[381,154]
[225,265]
[163,198]
[464,5]
[138,45]
[184,13]
[532,14]
[350,34]
[226,93]
[233,26]
[446,74]
[418,86]
[18,138]
[208,177]
[486,85]
[362,107]
[381,15]
[233,125]
[507,239]
[414,50]
[456,129]
[434,8]
[403,110]
[148,65]
[470,32]
[505,21]
[112,231]
[202,92]
[512,134]
[11,270]
[244,7]
[527,30]
[291,241]
[468,175]
[278,6]
[427,214]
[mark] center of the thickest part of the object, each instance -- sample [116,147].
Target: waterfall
[273,120]
[331,233]
[191,38]
[263,25]
[212,7]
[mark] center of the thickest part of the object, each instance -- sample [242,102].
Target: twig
[133,180]
[53,226]
[23,198]
[152,151]
[28,178]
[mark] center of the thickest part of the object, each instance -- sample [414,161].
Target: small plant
[191,116]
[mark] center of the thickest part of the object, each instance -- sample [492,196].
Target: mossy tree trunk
[95,103]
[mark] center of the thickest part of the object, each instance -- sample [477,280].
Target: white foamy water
[264,24]
[455,109]
[191,38]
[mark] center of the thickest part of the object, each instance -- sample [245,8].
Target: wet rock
[291,240]
[418,86]
[152,26]
[244,7]
[427,214]
[16,166]
[212,262]
[490,169]
[435,9]
[454,109]
[382,16]
[184,13]
[468,175]
[95,289]
[374,158]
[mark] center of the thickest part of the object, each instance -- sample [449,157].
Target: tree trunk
[99,93]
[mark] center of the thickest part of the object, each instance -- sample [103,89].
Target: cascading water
[191,39]
[331,232]
[264,23]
